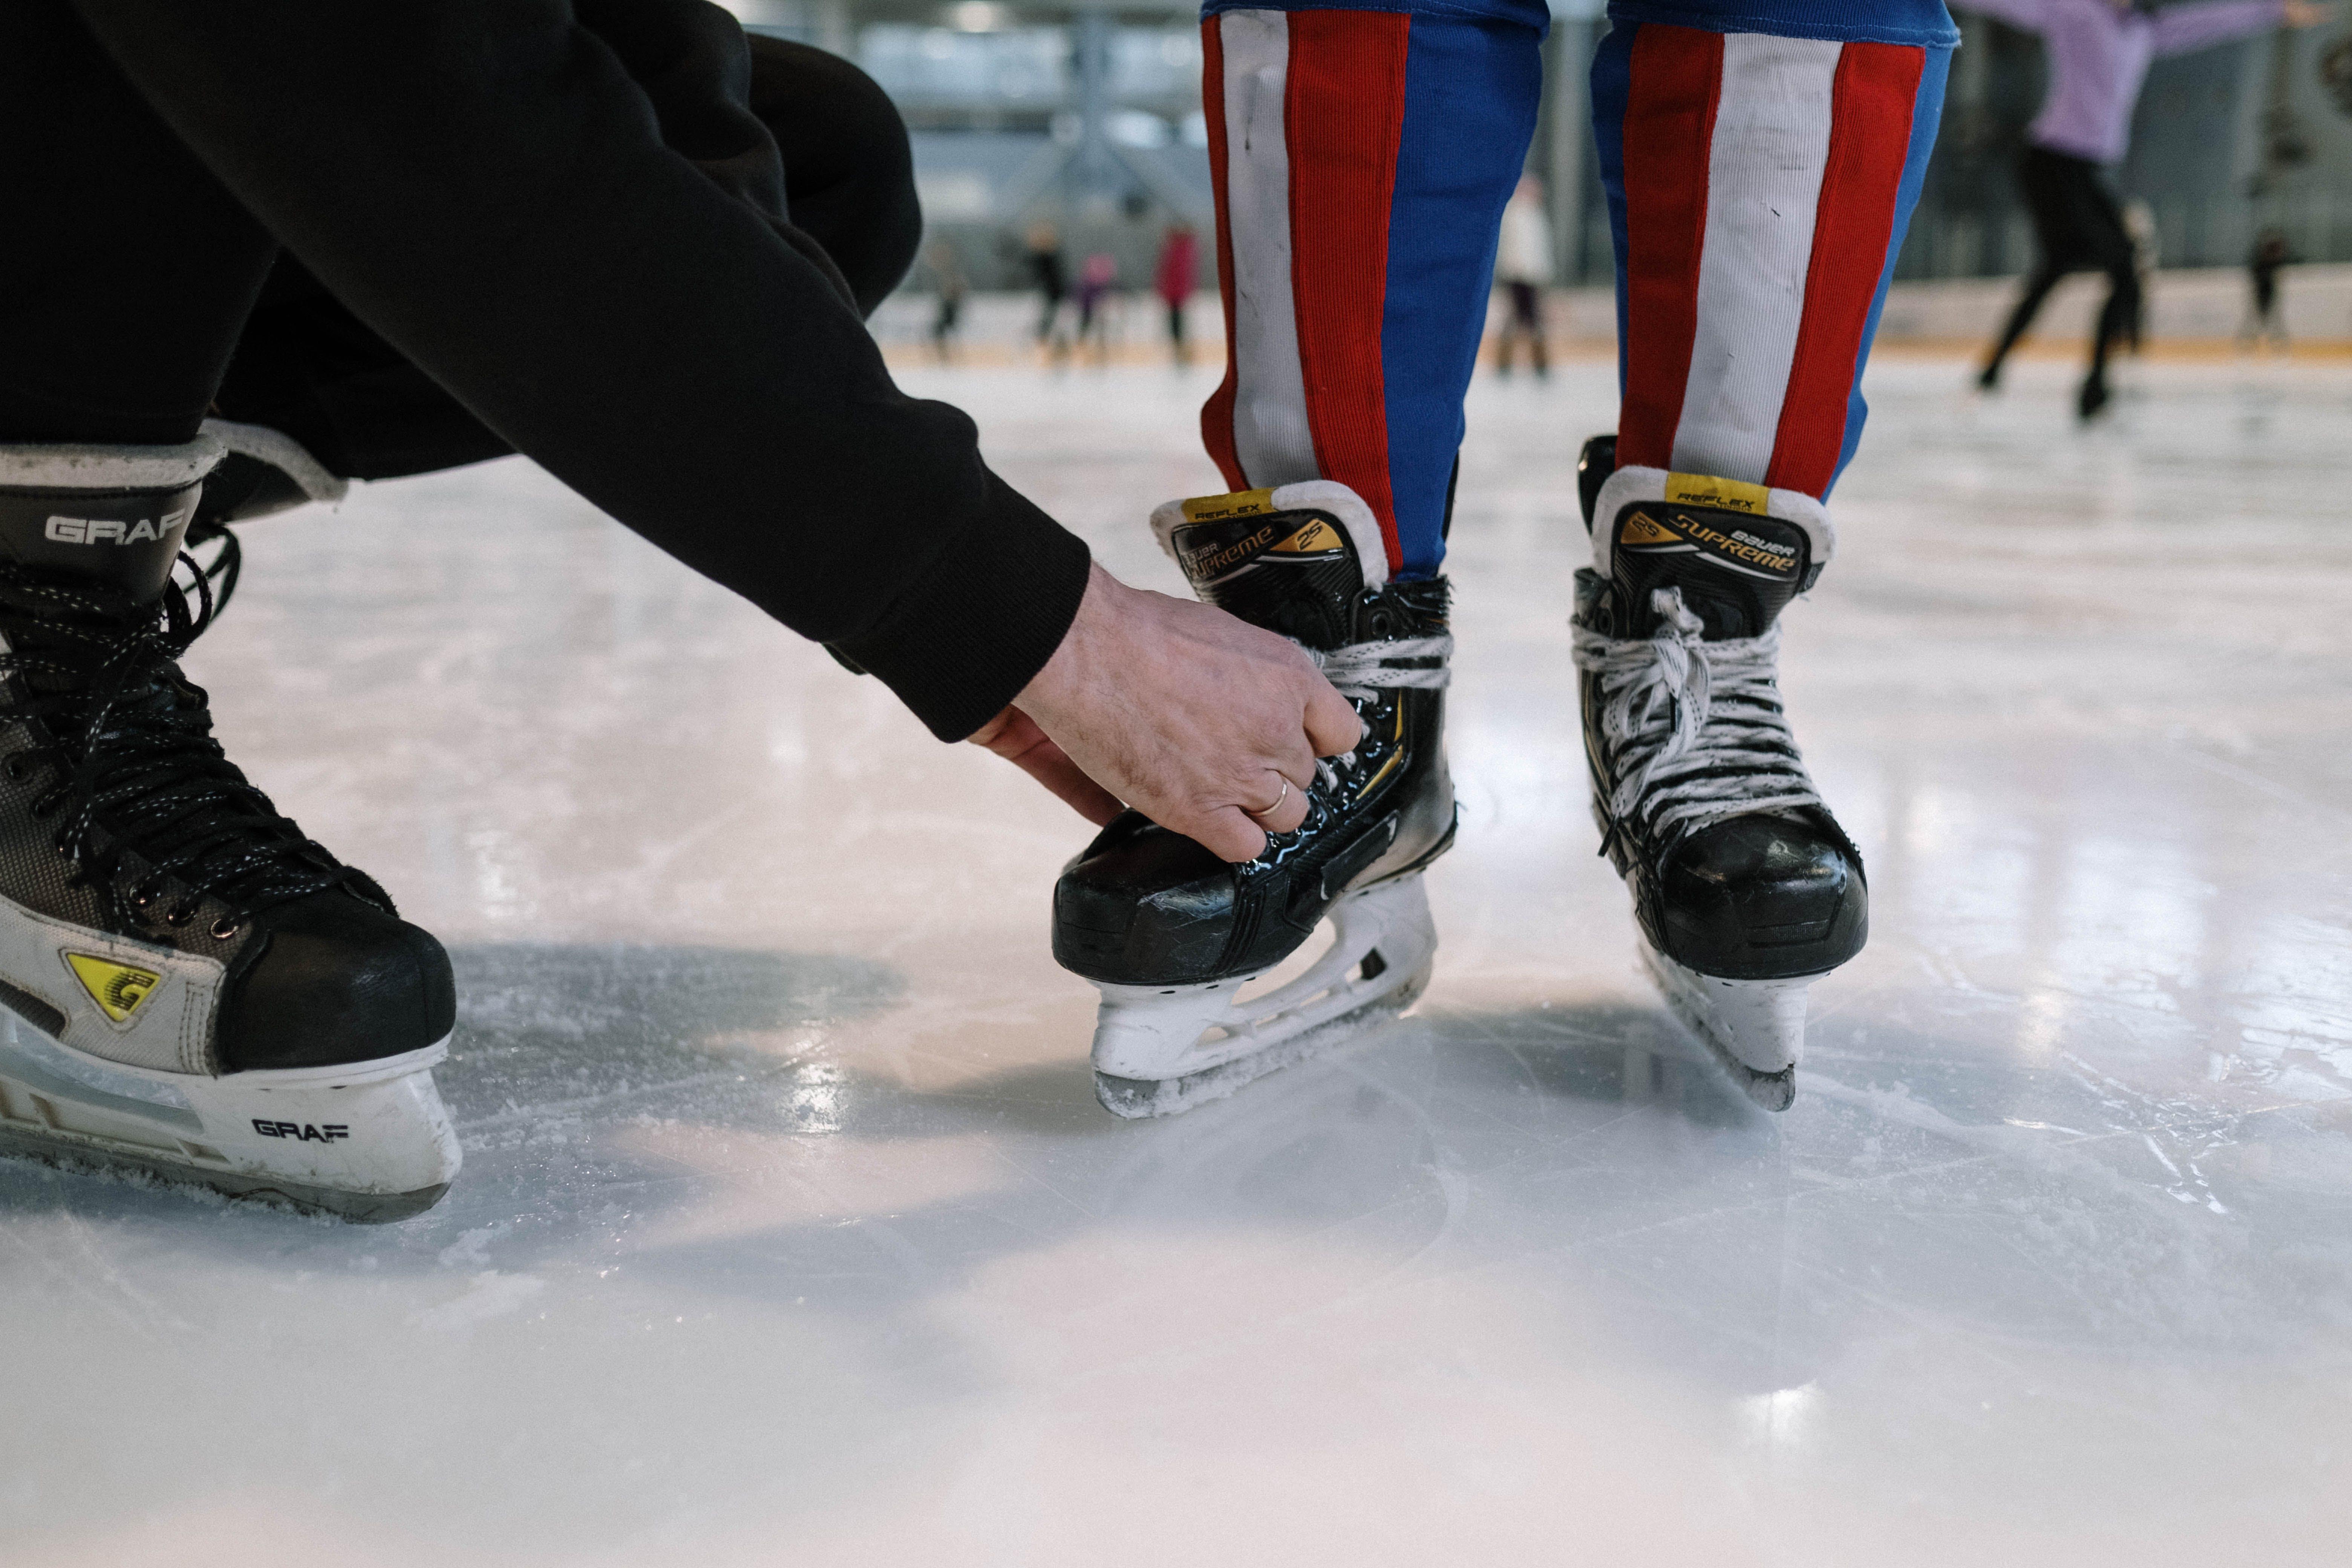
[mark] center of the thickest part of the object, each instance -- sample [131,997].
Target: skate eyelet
[222,930]
[16,769]
[178,918]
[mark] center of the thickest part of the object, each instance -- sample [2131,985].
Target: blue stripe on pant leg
[1470,91]
[1612,88]
[1926,113]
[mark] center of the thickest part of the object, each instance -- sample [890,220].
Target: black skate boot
[264,472]
[1170,933]
[1744,886]
[188,985]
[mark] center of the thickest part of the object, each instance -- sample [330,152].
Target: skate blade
[369,1141]
[1139,1099]
[89,1157]
[1162,1049]
[1755,1028]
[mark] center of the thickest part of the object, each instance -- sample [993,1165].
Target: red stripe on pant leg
[1343,118]
[1217,414]
[1870,136]
[1677,80]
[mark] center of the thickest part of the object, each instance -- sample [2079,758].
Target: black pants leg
[2029,305]
[128,267]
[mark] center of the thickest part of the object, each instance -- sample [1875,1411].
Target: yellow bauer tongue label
[1706,489]
[117,988]
[1216,508]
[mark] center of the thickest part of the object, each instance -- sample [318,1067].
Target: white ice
[790,1231]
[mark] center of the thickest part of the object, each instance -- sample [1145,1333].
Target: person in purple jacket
[2099,53]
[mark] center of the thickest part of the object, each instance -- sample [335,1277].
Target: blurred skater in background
[2139,225]
[1042,247]
[1175,280]
[2262,268]
[2099,52]
[1098,286]
[1523,270]
[948,274]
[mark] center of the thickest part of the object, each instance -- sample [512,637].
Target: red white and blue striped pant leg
[1362,157]
[1760,170]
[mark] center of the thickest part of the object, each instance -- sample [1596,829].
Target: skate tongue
[1737,568]
[126,539]
[1292,572]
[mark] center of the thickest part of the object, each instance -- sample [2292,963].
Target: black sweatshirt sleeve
[487,183]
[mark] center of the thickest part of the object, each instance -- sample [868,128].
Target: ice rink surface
[790,1232]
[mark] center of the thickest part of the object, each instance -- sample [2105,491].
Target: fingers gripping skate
[1162,1049]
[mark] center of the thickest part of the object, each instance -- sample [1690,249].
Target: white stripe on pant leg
[1763,183]
[1270,435]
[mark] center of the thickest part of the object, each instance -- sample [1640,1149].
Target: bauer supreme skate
[1746,888]
[1169,932]
[189,987]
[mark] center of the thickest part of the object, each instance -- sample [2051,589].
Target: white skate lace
[1361,671]
[1694,728]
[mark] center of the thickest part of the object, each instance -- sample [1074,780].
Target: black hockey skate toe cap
[1764,898]
[330,980]
[1143,906]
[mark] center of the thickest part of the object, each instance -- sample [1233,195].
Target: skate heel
[368,1143]
[1160,1049]
[1755,1027]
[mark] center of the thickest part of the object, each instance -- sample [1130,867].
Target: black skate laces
[1693,730]
[133,767]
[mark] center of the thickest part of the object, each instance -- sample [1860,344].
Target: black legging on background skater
[566,229]
[2078,228]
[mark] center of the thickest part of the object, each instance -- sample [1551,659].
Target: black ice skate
[188,986]
[1746,888]
[263,472]
[1169,932]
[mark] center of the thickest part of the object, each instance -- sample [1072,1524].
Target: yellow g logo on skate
[117,988]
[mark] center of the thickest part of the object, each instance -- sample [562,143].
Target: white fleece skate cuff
[281,452]
[1629,484]
[1307,495]
[75,466]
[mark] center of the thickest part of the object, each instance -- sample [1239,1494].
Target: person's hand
[2303,13]
[1015,736]
[1205,723]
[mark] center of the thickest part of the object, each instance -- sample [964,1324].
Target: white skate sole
[1755,1027]
[368,1143]
[1163,1050]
